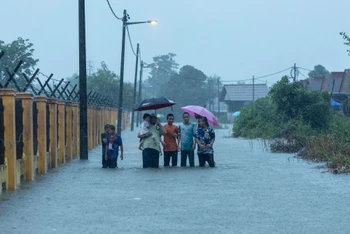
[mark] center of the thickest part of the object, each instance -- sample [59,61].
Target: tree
[294,102]
[164,67]
[319,70]
[213,85]
[20,49]
[106,83]
[188,87]
[346,40]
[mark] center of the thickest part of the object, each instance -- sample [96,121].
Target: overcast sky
[232,39]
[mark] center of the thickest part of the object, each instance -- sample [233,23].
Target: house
[334,82]
[238,95]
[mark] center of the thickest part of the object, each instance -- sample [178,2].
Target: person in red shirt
[170,145]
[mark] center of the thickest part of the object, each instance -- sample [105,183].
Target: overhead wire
[304,69]
[110,7]
[260,77]
[272,74]
[132,47]
[303,75]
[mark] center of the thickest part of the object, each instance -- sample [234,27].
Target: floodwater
[250,191]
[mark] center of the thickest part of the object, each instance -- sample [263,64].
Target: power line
[303,75]
[304,69]
[132,47]
[272,74]
[260,77]
[110,7]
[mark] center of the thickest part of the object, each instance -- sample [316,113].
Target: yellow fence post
[61,131]
[89,126]
[111,117]
[27,104]
[96,126]
[8,101]
[92,126]
[41,106]
[105,116]
[69,130]
[78,130]
[75,129]
[100,117]
[53,131]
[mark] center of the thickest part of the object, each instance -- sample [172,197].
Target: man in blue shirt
[186,140]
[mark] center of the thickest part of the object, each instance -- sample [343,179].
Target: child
[104,143]
[112,148]
[144,128]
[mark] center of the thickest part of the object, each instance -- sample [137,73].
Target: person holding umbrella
[205,138]
[151,150]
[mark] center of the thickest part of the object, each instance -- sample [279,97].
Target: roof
[337,77]
[243,92]
[326,82]
[316,82]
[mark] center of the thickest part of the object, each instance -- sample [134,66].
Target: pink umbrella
[202,111]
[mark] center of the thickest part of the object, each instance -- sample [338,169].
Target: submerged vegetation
[295,119]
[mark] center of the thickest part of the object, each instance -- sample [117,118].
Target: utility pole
[135,84]
[121,84]
[140,92]
[82,84]
[295,72]
[253,89]
[218,81]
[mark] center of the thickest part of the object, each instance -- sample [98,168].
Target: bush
[296,118]
[260,120]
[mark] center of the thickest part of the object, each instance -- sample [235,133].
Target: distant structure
[238,95]
[334,82]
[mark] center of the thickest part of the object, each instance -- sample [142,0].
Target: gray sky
[233,39]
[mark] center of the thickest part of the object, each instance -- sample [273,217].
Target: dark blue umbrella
[154,103]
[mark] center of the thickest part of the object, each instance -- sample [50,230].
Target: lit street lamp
[120,104]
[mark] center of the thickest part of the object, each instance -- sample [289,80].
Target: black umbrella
[154,103]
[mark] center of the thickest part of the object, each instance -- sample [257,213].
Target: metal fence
[60,89]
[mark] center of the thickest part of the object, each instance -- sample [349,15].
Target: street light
[120,104]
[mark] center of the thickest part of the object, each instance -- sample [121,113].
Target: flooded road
[250,191]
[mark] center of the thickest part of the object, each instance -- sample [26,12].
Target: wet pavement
[250,191]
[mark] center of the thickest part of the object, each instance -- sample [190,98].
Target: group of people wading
[167,140]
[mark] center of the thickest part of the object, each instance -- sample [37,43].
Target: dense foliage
[186,85]
[16,51]
[346,41]
[297,118]
[318,70]
[105,82]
